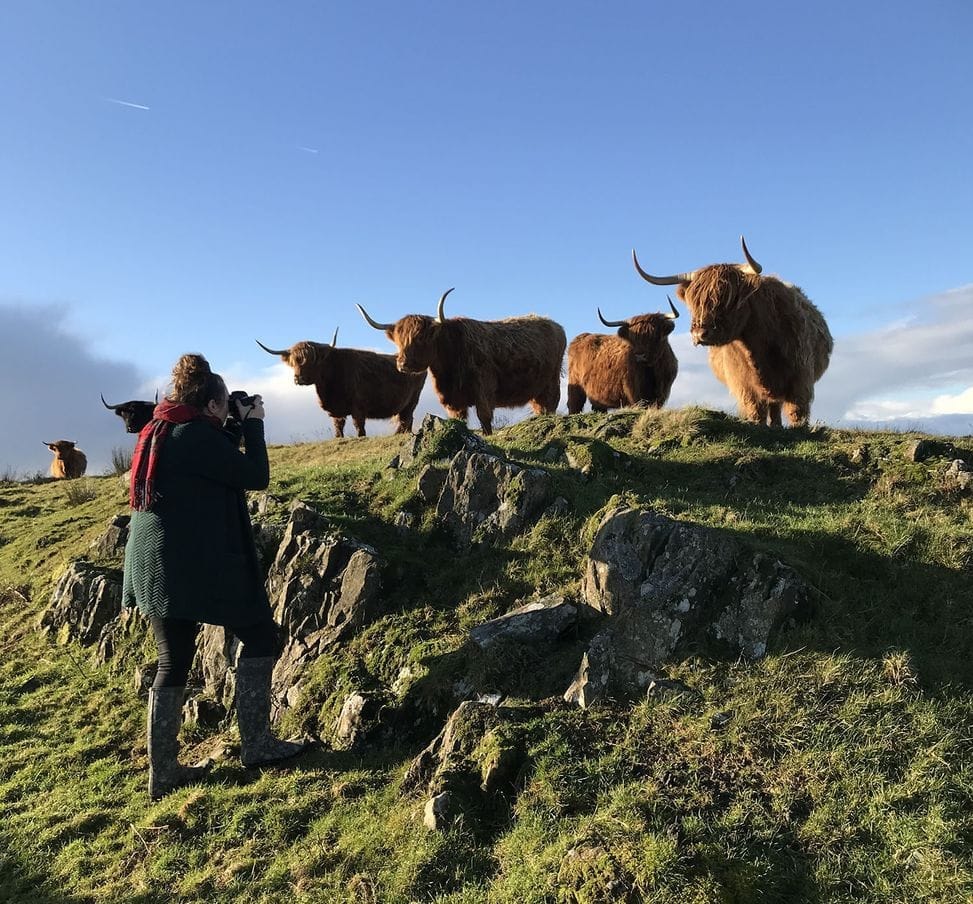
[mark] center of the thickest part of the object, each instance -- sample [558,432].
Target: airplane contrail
[126,103]
[301,147]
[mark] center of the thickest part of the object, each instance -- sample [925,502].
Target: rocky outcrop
[85,601]
[323,587]
[485,498]
[478,755]
[667,585]
[436,439]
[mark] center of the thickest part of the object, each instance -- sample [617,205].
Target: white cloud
[958,403]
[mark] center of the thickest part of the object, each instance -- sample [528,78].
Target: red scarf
[142,492]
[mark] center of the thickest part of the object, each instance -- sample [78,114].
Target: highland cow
[134,414]
[68,462]
[488,364]
[636,366]
[355,382]
[767,342]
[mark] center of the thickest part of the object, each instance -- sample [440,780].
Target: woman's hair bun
[192,381]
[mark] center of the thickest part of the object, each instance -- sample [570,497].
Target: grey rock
[429,483]
[143,678]
[959,475]
[86,599]
[486,498]
[111,544]
[594,679]
[352,724]
[438,812]
[324,587]
[205,712]
[437,438]
[666,584]
[924,449]
[479,752]
[539,623]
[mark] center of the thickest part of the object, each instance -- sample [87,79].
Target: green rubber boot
[165,716]
[258,745]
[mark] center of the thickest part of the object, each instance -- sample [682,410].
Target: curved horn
[662,280]
[334,338]
[157,397]
[109,407]
[611,322]
[746,253]
[374,323]
[674,313]
[271,351]
[439,311]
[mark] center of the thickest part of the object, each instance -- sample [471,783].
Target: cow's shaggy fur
[357,383]
[486,364]
[767,342]
[636,365]
[68,462]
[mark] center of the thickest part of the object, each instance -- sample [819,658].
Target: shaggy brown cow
[68,462]
[484,363]
[637,365]
[135,414]
[768,343]
[351,381]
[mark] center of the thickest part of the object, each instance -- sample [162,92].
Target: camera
[238,395]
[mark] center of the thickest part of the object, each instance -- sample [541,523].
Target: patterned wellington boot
[165,716]
[258,745]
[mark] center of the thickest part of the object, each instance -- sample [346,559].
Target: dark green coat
[192,555]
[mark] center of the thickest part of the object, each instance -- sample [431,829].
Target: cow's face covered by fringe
[307,360]
[647,333]
[415,338]
[718,299]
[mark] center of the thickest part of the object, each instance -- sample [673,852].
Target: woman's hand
[251,411]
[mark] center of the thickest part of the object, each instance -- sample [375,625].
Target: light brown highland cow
[636,365]
[68,462]
[767,342]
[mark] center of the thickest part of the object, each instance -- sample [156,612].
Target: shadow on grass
[22,884]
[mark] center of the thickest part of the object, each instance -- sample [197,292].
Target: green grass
[840,767]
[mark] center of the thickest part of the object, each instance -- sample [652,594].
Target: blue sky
[297,158]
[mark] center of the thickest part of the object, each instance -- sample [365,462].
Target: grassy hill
[838,768]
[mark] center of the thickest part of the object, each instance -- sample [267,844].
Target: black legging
[176,642]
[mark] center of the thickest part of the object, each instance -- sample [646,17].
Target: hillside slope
[839,767]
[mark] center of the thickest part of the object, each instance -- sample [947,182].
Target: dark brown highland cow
[135,414]
[768,343]
[356,382]
[484,363]
[68,462]
[637,365]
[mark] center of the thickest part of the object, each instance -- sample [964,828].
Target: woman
[190,558]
